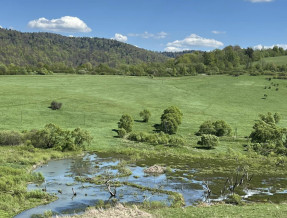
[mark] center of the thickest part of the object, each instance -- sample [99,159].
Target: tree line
[47,53]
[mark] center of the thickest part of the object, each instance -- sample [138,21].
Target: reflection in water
[60,180]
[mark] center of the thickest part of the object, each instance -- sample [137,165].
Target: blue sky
[158,25]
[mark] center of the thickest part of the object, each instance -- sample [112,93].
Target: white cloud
[1,27]
[147,35]
[63,24]
[218,32]
[192,41]
[259,1]
[260,47]
[121,38]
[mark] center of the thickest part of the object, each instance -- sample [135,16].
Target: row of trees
[166,130]
[266,138]
[47,53]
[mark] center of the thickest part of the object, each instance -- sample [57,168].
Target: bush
[145,114]
[208,141]
[170,120]
[234,199]
[10,138]
[267,137]
[122,133]
[126,122]
[156,138]
[55,105]
[218,128]
[53,136]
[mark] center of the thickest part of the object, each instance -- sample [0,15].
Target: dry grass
[119,211]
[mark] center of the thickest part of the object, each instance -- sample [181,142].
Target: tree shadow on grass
[139,121]
[203,148]
[157,128]
[117,131]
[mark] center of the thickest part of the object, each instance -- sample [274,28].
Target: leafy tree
[218,128]
[145,114]
[276,117]
[171,119]
[81,138]
[207,127]
[222,128]
[265,130]
[126,123]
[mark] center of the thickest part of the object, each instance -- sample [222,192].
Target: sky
[157,25]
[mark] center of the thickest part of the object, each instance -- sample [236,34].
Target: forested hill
[36,49]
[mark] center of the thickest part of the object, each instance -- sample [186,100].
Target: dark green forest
[65,54]
[47,53]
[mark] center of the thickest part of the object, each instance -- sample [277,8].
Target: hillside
[47,48]
[280,60]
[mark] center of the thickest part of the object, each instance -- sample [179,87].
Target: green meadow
[280,60]
[96,103]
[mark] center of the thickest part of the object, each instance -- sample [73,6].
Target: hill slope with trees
[47,49]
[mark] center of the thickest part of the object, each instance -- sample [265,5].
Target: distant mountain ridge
[42,48]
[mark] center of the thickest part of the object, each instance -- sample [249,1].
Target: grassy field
[96,103]
[281,60]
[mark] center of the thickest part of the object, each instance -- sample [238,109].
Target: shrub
[234,199]
[156,138]
[222,128]
[55,105]
[267,137]
[10,138]
[53,136]
[208,141]
[207,127]
[170,120]
[126,122]
[122,132]
[218,128]
[145,114]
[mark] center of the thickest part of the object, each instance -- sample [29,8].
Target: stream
[63,175]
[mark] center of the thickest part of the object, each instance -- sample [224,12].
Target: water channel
[63,175]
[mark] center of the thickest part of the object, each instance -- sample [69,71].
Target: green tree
[266,131]
[3,69]
[218,128]
[208,141]
[145,114]
[222,128]
[206,127]
[126,122]
[171,119]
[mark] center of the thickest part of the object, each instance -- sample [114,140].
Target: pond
[64,176]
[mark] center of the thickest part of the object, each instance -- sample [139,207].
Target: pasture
[96,103]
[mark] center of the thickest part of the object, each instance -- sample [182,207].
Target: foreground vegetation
[16,163]
[249,210]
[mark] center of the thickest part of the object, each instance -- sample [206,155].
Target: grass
[222,210]
[16,163]
[96,103]
[280,60]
